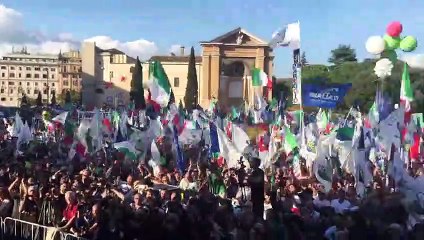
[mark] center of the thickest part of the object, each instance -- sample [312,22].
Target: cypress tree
[53,100]
[68,98]
[39,101]
[191,94]
[24,100]
[137,90]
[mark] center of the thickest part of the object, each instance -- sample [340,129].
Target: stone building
[23,73]
[70,72]
[223,70]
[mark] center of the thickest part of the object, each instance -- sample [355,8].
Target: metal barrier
[15,229]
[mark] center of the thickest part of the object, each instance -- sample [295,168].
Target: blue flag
[384,104]
[324,96]
[214,139]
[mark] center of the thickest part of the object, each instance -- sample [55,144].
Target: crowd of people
[107,196]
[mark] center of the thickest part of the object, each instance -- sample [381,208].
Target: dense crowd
[106,196]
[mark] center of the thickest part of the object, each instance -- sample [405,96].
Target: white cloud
[175,49]
[14,35]
[414,60]
[141,47]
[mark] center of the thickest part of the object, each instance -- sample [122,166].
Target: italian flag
[159,87]
[290,141]
[259,78]
[406,93]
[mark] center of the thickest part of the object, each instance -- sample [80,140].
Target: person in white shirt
[321,201]
[340,204]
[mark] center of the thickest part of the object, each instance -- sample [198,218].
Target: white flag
[61,118]
[289,36]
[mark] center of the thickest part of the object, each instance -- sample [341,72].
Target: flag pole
[299,76]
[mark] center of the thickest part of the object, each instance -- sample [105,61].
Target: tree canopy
[53,100]
[39,100]
[137,90]
[364,82]
[191,94]
[342,54]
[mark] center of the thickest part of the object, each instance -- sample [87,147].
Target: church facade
[223,69]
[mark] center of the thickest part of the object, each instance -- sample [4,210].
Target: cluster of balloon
[386,46]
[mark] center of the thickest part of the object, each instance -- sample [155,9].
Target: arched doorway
[232,82]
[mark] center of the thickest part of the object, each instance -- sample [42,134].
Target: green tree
[315,73]
[137,90]
[303,60]
[191,94]
[68,98]
[24,100]
[342,54]
[180,106]
[53,100]
[65,97]
[171,98]
[39,101]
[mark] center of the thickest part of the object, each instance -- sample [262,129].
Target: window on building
[28,68]
[20,83]
[45,91]
[52,84]
[36,84]
[44,84]
[45,69]
[28,83]
[2,90]
[20,68]
[11,91]
[11,75]
[64,68]
[19,75]
[35,91]
[28,75]
[131,69]
[52,76]
[36,75]
[76,83]
[11,83]
[3,99]
[65,83]
[52,69]
[176,82]
[37,69]
[111,74]
[45,76]
[3,74]
[11,99]
[65,75]
[12,68]
[3,67]
[28,91]
[2,83]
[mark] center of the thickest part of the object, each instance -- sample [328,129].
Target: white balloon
[375,45]
[383,68]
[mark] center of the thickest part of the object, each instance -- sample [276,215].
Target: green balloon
[392,43]
[408,44]
[390,54]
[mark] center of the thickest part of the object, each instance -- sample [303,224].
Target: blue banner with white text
[324,96]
